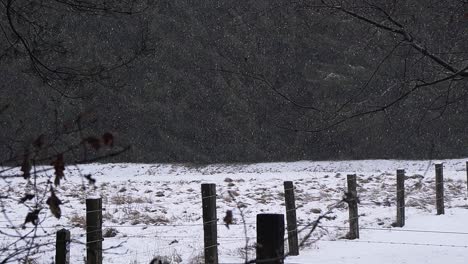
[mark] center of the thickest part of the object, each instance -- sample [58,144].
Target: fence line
[300,225]
[212,222]
[396,243]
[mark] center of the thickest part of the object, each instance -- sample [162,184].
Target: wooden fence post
[270,239]
[440,188]
[400,221]
[210,222]
[94,231]
[353,208]
[291,218]
[62,247]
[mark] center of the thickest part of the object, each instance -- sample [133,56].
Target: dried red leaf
[32,217]
[90,179]
[26,166]
[39,142]
[108,139]
[87,114]
[228,218]
[27,197]
[54,204]
[59,168]
[95,143]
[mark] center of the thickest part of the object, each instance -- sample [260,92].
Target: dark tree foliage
[54,57]
[230,81]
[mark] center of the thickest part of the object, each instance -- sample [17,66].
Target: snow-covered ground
[155,210]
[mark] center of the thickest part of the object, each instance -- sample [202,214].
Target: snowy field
[155,210]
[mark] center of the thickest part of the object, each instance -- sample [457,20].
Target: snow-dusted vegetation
[155,210]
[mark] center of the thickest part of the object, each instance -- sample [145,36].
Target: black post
[94,231]
[62,247]
[210,222]
[270,238]
[353,207]
[291,218]
[400,221]
[439,168]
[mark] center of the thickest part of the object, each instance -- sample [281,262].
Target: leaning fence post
[400,221]
[210,222]
[439,188]
[270,239]
[62,247]
[353,208]
[291,218]
[94,231]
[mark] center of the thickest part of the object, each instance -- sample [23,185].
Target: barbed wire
[252,224]
[396,243]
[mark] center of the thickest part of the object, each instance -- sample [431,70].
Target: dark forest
[236,81]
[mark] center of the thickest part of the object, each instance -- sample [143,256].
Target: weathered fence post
[62,247]
[467,176]
[210,222]
[291,218]
[439,188]
[352,200]
[270,238]
[94,231]
[400,221]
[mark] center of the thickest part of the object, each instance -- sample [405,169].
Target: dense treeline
[240,81]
